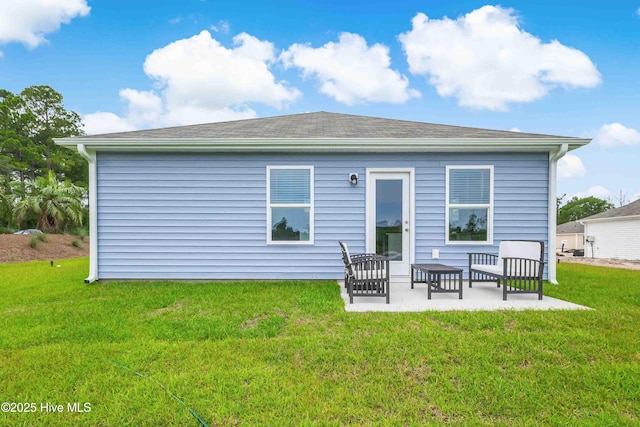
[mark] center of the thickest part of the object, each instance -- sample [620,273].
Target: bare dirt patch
[15,248]
[173,308]
[613,263]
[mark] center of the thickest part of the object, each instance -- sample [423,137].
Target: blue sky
[561,68]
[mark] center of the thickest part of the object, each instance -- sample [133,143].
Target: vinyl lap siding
[521,183]
[615,238]
[203,216]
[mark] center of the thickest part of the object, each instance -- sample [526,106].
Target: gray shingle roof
[570,228]
[320,125]
[632,209]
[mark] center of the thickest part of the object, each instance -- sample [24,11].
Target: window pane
[290,224]
[290,186]
[468,224]
[469,186]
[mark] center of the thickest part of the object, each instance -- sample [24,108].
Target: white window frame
[489,207]
[309,205]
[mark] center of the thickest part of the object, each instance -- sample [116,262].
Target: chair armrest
[482,258]
[359,256]
[370,266]
[366,258]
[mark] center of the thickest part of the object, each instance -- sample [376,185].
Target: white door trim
[412,207]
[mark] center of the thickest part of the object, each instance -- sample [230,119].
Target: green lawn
[286,353]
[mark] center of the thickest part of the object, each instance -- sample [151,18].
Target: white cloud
[222,27]
[638,11]
[616,134]
[570,166]
[350,71]
[487,61]
[596,191]
[515,130]
[27,21]
[198,80]
[105,122]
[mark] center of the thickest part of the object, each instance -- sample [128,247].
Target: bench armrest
[523,267]
[482,258]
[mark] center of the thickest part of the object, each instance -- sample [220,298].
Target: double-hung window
[469,211]
[290,204]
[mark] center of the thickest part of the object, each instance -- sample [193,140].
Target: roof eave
[317,145]
[611,218]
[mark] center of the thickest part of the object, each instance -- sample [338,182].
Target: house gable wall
[203,216]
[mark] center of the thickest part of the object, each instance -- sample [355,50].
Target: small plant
[34,240]
[80,232]
[37,238]
[77,243]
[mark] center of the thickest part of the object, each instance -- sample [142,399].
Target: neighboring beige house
[614,233]
[571,234]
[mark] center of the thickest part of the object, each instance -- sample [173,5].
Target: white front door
[389,227]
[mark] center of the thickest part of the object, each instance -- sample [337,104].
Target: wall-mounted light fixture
[353,178]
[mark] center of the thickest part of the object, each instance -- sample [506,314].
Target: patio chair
[365,274]
[518,267]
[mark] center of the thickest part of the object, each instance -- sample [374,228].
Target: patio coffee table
[439,278]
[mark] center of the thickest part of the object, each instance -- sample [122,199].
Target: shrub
[80,232]
[77,244]
[34,240]
[37,238]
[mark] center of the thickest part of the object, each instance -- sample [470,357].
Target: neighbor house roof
[632,209]
[570,228]
[323,131]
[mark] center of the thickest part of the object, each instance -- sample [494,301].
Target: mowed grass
[286,353]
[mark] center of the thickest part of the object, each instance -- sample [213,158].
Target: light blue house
[270,198]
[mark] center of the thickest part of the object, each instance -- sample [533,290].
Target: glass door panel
[389,218]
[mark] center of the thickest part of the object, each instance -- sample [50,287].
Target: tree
[578,208]
[16,147]
[28,123]
[49,119]
[50,203]
[281,231]
[472,224]
[621,198]
[6,203]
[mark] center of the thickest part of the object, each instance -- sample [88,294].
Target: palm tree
[6,203]
[51,203]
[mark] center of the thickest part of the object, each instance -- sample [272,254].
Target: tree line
[577,208]
[42,185]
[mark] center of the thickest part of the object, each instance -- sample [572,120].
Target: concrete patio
[482,297]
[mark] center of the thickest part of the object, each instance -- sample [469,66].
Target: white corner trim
[93,213]
[551,238]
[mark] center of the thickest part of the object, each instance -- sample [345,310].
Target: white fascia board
[323,145]
[612,218]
